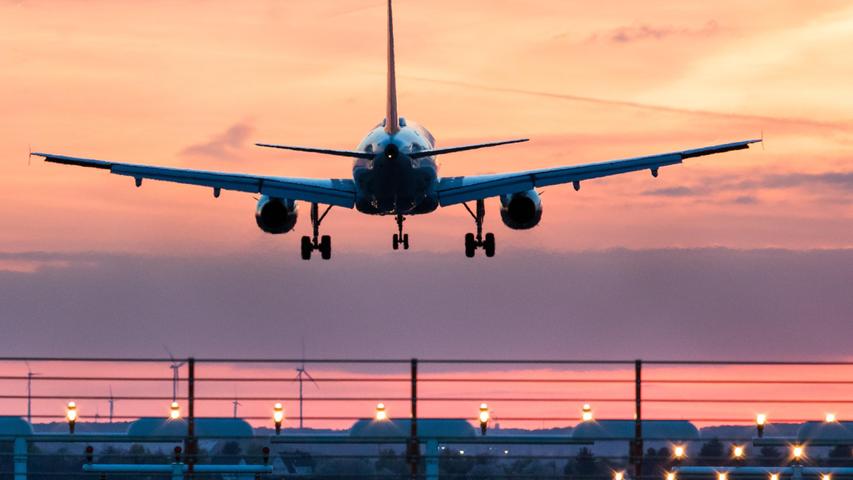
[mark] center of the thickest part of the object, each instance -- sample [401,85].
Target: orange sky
[146,82]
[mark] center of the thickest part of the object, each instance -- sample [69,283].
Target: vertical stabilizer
[392,121]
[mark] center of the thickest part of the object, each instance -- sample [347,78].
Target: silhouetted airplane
[395,173]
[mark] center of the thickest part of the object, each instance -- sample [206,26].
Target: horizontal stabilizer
[462,148]
[324,151]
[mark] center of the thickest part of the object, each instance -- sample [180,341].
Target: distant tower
[300,372]
[112,404]
[236,404]
[30,376]
[176,372]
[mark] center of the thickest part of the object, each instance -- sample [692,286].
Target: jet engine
[522,210]
[276,215]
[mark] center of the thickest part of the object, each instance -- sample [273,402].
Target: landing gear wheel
[325,247]
[396,242]
[470,245]
[405,241]
[307,248]
[400,238]
[489,245]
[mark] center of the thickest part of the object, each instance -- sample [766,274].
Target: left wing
[338,192]
[453,190]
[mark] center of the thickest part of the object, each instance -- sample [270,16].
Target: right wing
[338,192]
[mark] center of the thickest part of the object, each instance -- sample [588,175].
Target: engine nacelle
[522,210]
[276,215]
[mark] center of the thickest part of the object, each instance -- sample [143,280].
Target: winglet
[392,121]
[30,156]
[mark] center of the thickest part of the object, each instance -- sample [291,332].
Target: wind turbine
[30,376]
[176,372]
[300,372]
[236,404]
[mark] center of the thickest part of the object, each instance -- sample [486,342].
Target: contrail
[637,105]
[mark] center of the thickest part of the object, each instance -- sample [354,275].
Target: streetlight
[71,416]
[723,476]
[774,476]
[826,476]
[277,417]
[798,452]
[760,421]
[586,413]
[174,411]
[619,475]
[381,414]
[679,452]
[670,476]
[738,452]
[831,418]
[484,418]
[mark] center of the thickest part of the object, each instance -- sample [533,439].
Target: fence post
[191,443]
[414,449]
[19,455]
[637,443]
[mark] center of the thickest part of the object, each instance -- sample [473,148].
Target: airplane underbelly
[387,192]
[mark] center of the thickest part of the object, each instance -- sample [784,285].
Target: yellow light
[278,413]
[679,452]
[71,412]
[618,475]
[738,451]
[774,476]
[761,419]
[381,414]
[826,476]
[723,476]
[484,413]
[670,475]
[174,411]
[798,451]
[586,413]
[831,418]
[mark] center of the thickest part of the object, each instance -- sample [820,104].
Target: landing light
[71,415]
[760,422]
[174,411]
[484,418]
[381,414]
[723,476]
[278,417]
[618,475]
[738,452]
[679,452]
[831,418]
[798,452]
[586,413]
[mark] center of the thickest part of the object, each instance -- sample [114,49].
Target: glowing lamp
[174,411]
[484,418]
[71,415]
[723,476]
[381,414]
[738,452]
[618,475]
[760,422]
[826,476]
[798,452]
[670,476]
[586,413]
[278,417]
[831,418]
[679,452]
[774,476]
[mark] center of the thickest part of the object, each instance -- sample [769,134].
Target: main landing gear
[309,244]
[400,238]
[472,242]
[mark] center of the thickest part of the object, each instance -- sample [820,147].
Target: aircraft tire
[470,245]
[325,247]
[306,248]
[489,245]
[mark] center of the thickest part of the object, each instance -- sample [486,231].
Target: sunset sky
[744,255]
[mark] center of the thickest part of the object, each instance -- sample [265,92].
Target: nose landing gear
[400,238]
[316,242]
[473,242]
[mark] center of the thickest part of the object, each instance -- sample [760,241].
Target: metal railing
[535,414]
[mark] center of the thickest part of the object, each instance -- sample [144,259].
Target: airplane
[395,173]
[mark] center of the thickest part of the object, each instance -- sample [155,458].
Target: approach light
[723,476]
[484,418]
[174,411]
[670,476]
[830,418]
[71,416]
[277,417]
[679,452]
[774,476]
[826,476]
[620,475]
[586,413]
[381,414]
[738,452]
[760,422]
[798,452]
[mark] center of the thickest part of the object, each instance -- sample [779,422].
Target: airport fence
[424,418]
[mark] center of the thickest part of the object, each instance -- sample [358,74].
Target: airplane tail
[392,120]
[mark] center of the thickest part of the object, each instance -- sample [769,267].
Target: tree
[712,452]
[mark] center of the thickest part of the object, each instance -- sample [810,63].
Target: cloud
[839,181]
[640,32]
[674,192]
[227,145]
[674,303]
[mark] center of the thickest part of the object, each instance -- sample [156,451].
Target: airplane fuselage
[393,183]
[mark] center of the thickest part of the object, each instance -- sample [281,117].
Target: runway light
[278,417]
[738,452]
[798,452]
[679,452]
[826,476]
[774,476]
[670,476]
[586,413]
[619,475]
[831,418]
[461,452]
[381,414]
[484,418]
[760,421]
[174,411]
[723,476]
[71,416]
